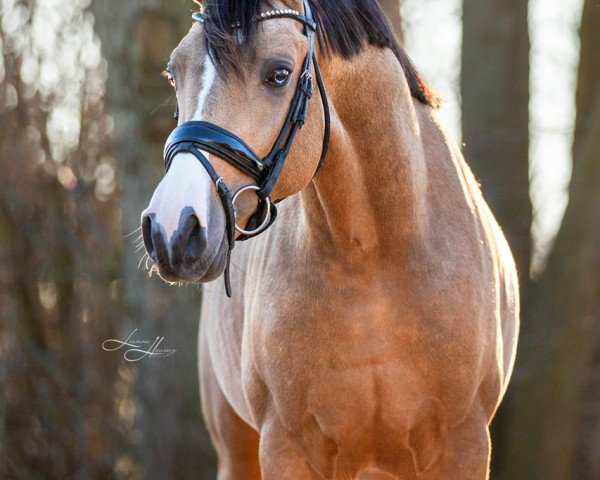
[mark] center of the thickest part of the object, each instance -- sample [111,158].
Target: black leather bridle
[194,136]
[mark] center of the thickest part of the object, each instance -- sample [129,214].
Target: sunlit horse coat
[372,331]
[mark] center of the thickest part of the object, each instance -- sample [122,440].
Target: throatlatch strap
[326,115]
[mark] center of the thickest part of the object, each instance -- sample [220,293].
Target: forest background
[84,113]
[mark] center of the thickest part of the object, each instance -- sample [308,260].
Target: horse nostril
[147,235]
[196,240]
[189,242]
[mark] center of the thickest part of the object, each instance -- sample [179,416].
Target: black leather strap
[326,115]
[218,141]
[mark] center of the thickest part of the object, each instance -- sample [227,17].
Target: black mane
[345,27]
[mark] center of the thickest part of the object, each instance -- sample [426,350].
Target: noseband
[194,136]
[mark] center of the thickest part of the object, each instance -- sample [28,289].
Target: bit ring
[265,221]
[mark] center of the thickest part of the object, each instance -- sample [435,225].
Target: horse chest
[340,377]
[356,361]
[352,352]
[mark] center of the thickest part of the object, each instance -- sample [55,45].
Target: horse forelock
[345,28]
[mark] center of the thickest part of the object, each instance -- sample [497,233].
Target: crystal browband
[276,12]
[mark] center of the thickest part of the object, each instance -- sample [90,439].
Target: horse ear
[199,3]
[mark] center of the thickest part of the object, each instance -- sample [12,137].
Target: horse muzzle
[186,255]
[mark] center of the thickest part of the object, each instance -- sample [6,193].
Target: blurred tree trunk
[59,247]
[495,124]
[561,330]
[495,114]
[587,458]
[137,37]
[392,8]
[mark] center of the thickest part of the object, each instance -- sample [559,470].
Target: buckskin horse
[372,330]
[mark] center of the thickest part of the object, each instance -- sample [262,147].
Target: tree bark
[137,37]
[561,330]
[392,8]
[495,124]
[495,108]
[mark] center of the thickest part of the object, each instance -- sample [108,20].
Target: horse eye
[279,77]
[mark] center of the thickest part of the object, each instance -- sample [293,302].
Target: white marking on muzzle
[208,79]
[187,183]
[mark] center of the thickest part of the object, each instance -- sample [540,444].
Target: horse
[372,328]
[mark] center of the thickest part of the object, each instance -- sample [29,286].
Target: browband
[275,13]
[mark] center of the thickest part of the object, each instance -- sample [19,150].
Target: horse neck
[370,196]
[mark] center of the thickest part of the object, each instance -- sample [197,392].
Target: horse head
[238,147]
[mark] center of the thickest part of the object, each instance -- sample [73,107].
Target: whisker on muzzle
[132,233]
[153,268]
[145,256]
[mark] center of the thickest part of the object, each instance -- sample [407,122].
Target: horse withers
[372,327]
